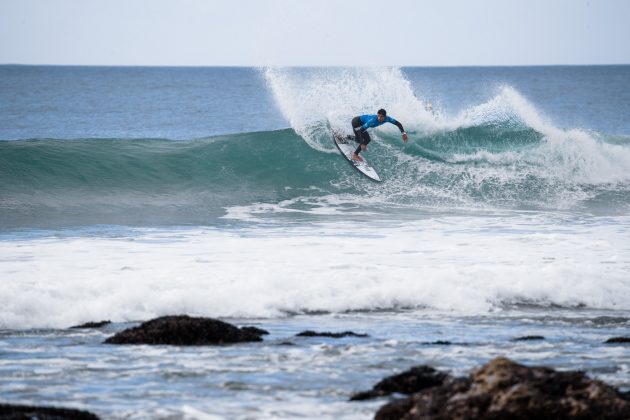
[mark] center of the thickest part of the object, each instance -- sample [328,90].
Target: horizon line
[310,66]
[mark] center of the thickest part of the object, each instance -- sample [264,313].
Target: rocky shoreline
[26,412]
[500,389]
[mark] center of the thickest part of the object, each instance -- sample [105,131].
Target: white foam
[463,265]
[312,98]
[573,156]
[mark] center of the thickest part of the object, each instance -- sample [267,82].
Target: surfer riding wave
[361,123]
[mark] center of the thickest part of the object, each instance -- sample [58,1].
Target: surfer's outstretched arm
[400,127]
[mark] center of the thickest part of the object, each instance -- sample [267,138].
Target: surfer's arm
[396,123]
[400,127]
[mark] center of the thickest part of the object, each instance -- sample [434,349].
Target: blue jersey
[371,121]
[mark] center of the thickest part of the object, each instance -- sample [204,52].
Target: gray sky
[315,32]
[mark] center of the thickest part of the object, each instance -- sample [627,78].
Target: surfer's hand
[405,138]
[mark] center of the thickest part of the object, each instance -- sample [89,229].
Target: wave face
[498,154]
[151,181]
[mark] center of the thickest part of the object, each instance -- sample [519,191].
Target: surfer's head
[381,114]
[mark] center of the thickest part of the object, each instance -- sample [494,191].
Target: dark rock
[618,340]
[25,412]
[440,343]
[255,330]
[529,338]
[93,324]
[329,334]
[183,330]
[413,380]
[503,389]
[430,406]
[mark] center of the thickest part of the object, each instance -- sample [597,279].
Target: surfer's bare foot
[357,157]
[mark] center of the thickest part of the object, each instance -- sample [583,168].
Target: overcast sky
[315,32]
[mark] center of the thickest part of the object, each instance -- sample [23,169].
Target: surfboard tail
[346,147]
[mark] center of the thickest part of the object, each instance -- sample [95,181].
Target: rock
[255,330]
[618,340]
[329,334]
[503,389]
[413,380]
[92,324]
[529,338]
[439,343]
[431,402]
[25,412]
[183,330]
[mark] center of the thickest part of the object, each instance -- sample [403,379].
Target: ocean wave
[502,153]
[103,180]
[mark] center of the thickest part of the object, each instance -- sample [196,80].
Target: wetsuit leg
[356,122]
[366,140]
[361,137]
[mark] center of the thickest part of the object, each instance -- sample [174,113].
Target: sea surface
[128,193]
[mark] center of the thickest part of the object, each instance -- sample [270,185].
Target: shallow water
[288,376]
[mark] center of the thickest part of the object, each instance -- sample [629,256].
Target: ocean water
[131,193]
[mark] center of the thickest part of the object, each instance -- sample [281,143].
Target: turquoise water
[130,193]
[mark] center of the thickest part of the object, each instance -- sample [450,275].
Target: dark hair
[382,112]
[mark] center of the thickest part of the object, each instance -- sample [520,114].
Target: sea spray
[313,99]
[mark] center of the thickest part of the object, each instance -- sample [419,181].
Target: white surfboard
[346,145]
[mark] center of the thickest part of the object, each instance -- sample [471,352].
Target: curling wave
[498,154]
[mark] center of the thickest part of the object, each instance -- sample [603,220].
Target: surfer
[360,125]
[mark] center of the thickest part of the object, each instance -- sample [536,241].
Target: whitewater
[218,192]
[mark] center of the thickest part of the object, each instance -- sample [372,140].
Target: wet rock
[503,389]
[529,338]
[413,380]
[255,330]
[430,401]
[25,412]
[92,324]
[183,330]
[618,340]
[330,334]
